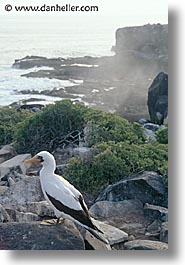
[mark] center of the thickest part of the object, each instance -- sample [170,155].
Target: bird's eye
[40,158]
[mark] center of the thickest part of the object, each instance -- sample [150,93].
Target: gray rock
[41,209]
[118,213]
[11,182]
[4,216]
[21,217]
[6,152]
[145,245]
[164,232]
[136,230]
[148,187]
[23,192]
[111,233]
[82,152]
[17,161]
[155,212]
[3,189]
[34,236]
[94,244]
[154,228]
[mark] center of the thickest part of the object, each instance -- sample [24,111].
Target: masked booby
[64,198]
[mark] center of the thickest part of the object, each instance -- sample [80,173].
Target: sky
[136,12]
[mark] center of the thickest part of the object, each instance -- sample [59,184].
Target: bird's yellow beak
[32,160]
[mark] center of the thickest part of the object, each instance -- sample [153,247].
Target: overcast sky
[133,11]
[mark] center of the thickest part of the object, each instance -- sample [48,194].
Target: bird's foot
[60,220]
[48,222]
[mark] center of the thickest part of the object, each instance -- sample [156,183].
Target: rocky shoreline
[116,83]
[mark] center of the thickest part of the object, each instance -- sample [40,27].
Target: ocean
[49,37]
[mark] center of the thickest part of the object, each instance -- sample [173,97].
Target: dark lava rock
[34,236]
[155,212]
[164,232]
[31,107]
[158,98]
[148,187]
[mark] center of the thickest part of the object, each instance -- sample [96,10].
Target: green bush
[112,161]
[44,129]
[111,127]
[162,136]
[9,118]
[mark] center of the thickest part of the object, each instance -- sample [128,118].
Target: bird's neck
[47,170]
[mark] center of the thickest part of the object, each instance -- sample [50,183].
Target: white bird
[64,198]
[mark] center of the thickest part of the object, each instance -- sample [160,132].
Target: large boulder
[145,245]
[14,163]
[127,215]
[158,98]
[34,236]
[22,193]
[147,187]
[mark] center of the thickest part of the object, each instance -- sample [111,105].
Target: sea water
[49,37]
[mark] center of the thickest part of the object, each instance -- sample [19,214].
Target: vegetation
[162,136]
[112,161]
[118,148]
[9,118]
[46,128]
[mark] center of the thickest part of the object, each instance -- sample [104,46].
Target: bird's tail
[97,235]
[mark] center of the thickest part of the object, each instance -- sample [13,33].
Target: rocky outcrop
[34,236]
[147,187]
[158,98]
[148,42]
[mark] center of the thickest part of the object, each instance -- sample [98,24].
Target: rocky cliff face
[143,43]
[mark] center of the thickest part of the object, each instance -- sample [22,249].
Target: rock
[136,230]
[3,189]
[17,161]
[120,214]
[111,233]
[11,182]
[34,236]
[22,193]
[6,152]
[152,127]
[148,187]
[22,217]
[164,232]
[31,107]
[41,209]
[158,98]
[91,243]
[82,152]
[153,230]
[155,212]
[142,121]
[145,245]
[4,216]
